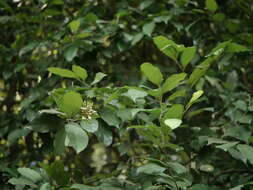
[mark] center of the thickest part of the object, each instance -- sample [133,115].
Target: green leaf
[173,123]
[57,173]
[59,141]
[199,187]
[99,76]
[187,55]
[33,175]
[173,81]
[128,114]
[148,28]
[152,169]
[219,49]
[178,168]
[71,103]
[238,187]
[70,53]
[104,135]
[31,46]
[236,48]
[110,117]
[135,94]
[246,151]
[21,181]
[157,93]
[44,123]
[211,5]
[145,4]
[76,137]
[177,94]
[199,71]
[83,187]
[74,25]
[206,168]
[80,72]
[153,73]
[89,125]
[137,38]
[45,186]
[62,72]
[174,112]
[194,98]
[227,146]
[168,47]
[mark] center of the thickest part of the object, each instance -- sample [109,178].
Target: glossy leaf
[153,73]
[196,95]
[173,81]
[187,55]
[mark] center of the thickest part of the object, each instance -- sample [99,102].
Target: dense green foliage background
[211,150]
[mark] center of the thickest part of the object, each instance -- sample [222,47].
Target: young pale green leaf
[173,123]
[153,73]
[172,82]
[62,72]
[70,53]
[99,76]
[211,5]
[76,137]
[80,72]
[168,47]
[33,175]
[74,25]
[206,168]
[151,169]
[177,94]
[148,28]
[71,103]
[187,55]
[194,98]
[200,71]
[89,125]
